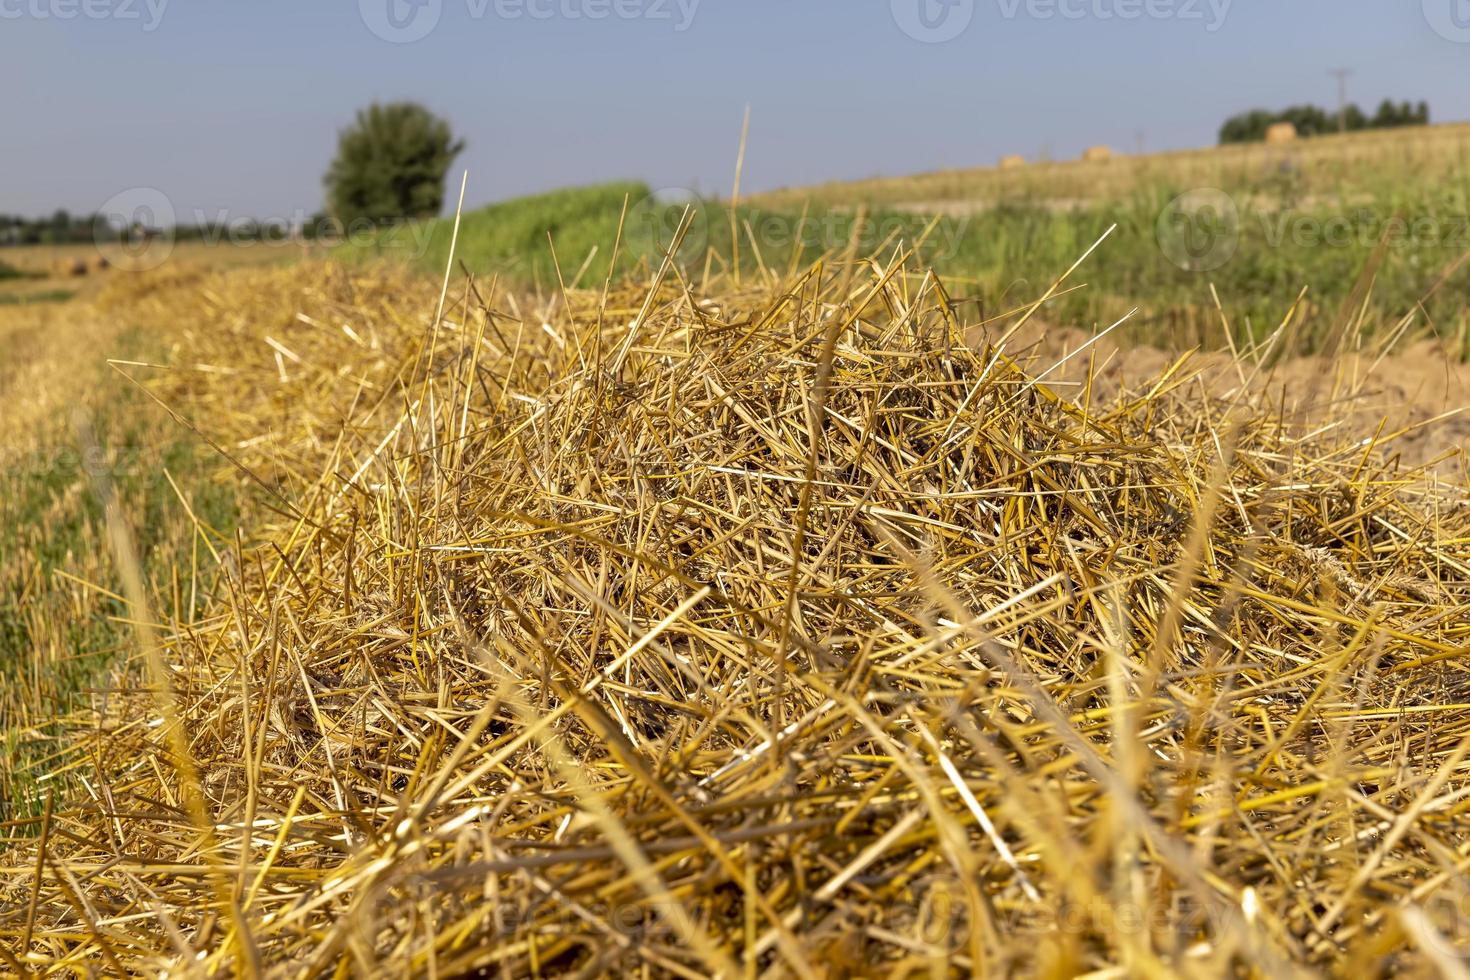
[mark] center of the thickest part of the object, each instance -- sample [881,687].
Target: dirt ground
[1414,399]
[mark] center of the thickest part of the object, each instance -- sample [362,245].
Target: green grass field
[43,296]
[513,239]
[1332,236]
[61,621]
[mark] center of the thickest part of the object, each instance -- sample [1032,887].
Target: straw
[796,637]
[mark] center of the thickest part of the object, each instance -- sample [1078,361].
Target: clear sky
[234,106]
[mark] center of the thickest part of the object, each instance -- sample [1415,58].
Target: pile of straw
[758,629]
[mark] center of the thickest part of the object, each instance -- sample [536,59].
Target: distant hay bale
[1097,154]
[100,263]
[69,267]
[1282,132]
[1012,162]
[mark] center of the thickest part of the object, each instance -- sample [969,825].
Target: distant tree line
[1310,120]
[390,166]
[64,228]
[60,228]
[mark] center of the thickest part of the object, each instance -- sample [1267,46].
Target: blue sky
[234,107]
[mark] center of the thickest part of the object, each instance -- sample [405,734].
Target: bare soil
[1413,400]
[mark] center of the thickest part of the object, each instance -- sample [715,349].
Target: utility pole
[1342,75]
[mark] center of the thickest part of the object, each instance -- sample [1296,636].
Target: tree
[391,165]
[1310,120]
[1392,113]
[58,231]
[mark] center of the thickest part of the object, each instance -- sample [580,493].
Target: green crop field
[1333,236]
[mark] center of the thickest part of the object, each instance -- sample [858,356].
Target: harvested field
[1347,164]
[759,627]
[1411,399]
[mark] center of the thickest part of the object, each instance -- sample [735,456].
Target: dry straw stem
[775,627]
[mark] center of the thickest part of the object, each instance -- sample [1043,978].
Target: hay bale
[1097,154]
[100,263]
[69,267]
[1012,162]
[1282,132]
[800,616]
